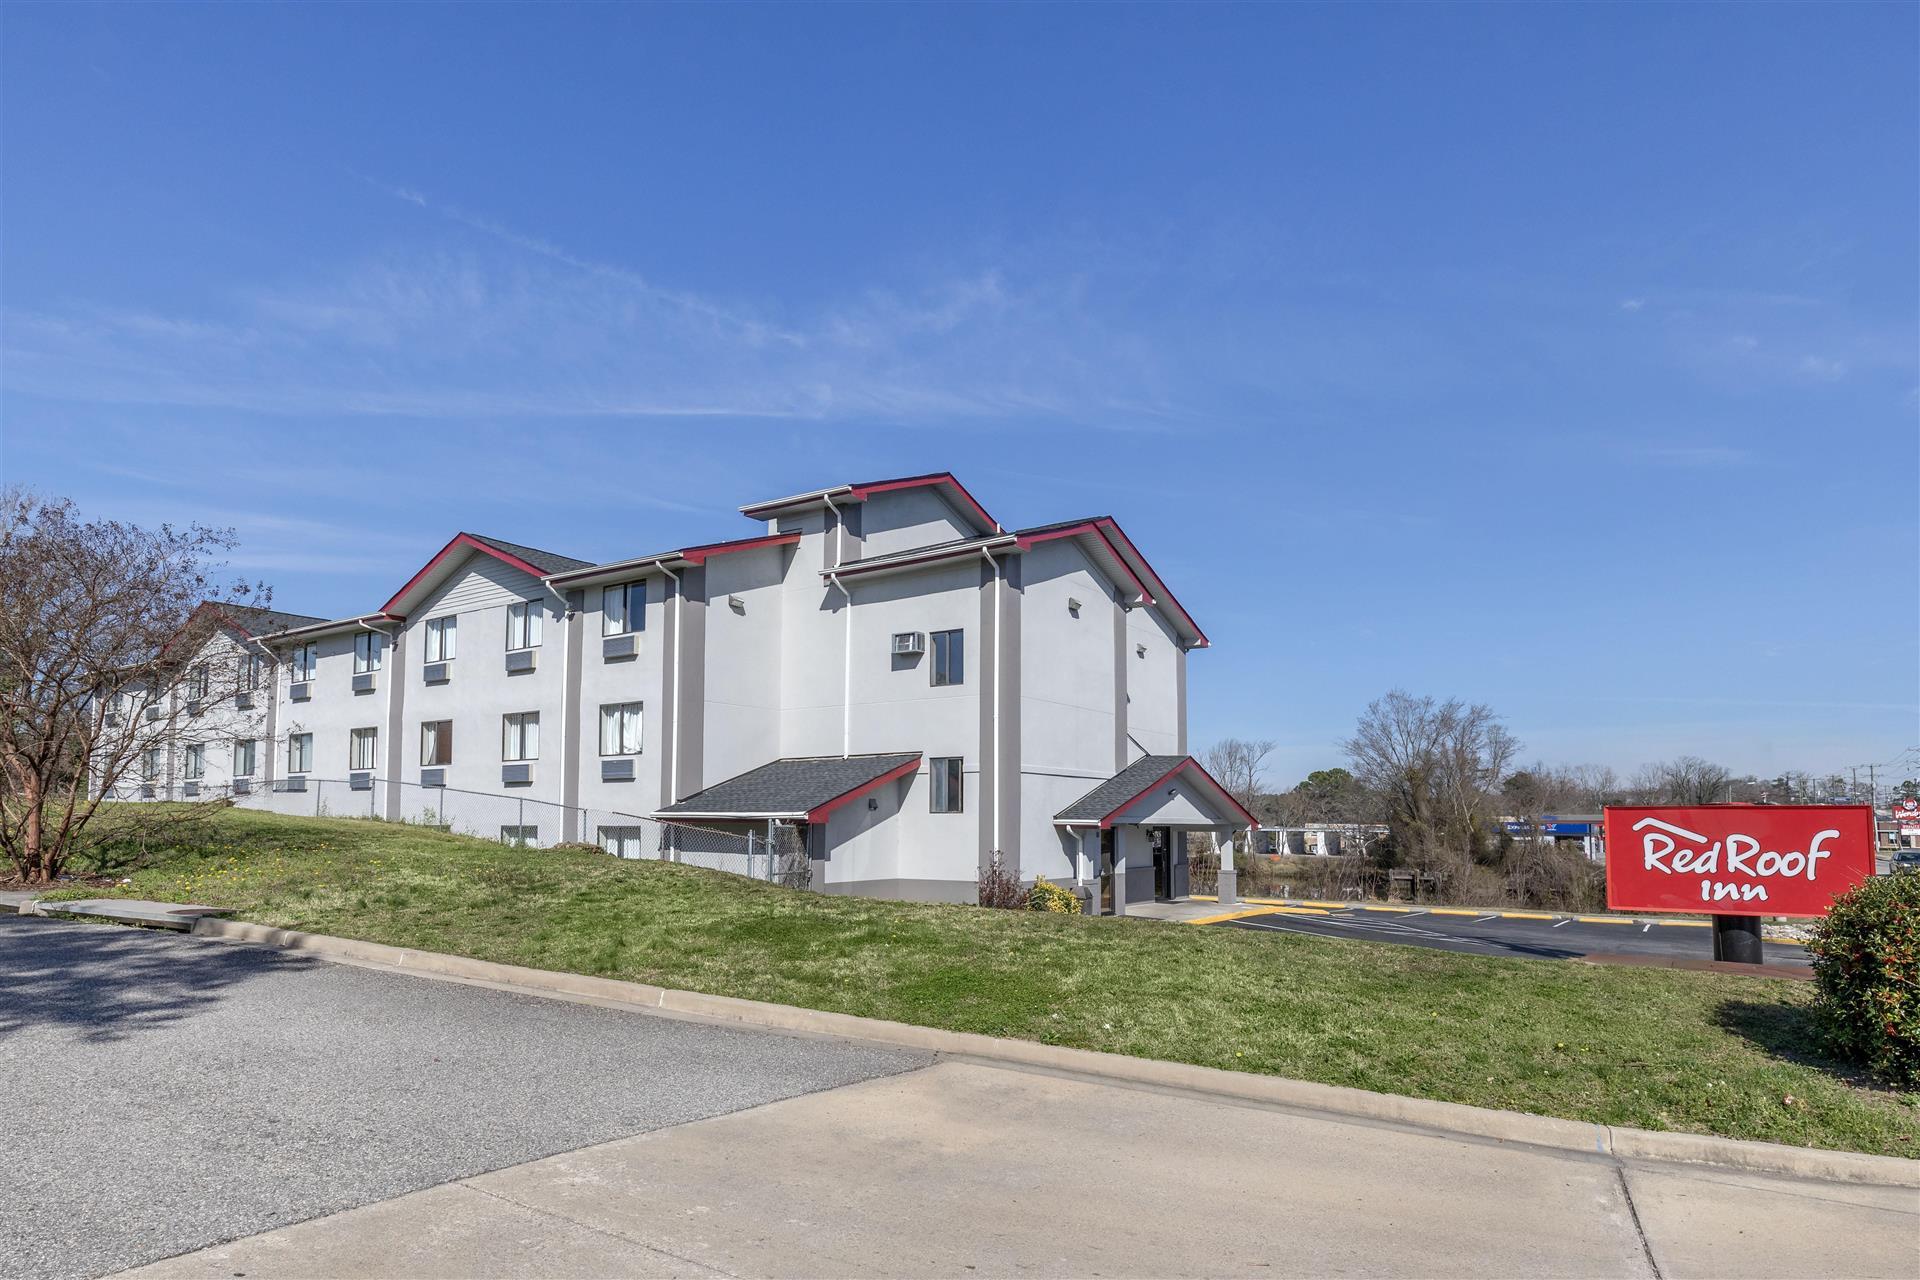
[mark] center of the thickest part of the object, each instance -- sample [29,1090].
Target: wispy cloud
[536,332]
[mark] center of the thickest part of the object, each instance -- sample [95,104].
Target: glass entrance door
[1161,839]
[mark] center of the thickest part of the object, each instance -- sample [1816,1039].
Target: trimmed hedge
[1866,964]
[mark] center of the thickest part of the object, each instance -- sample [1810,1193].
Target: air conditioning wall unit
[909,643]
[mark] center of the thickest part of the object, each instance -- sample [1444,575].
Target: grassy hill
[1656,1049]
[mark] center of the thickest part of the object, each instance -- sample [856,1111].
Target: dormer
[879,517]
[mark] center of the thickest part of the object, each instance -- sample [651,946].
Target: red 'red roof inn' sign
[1737,859]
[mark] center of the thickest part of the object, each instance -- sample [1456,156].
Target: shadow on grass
[108,982]
[1791,1033]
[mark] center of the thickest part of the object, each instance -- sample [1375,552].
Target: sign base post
[1737,938]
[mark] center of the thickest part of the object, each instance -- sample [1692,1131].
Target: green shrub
[1047,896]
[1866,964]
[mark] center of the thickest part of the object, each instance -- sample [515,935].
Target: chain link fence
[510,820]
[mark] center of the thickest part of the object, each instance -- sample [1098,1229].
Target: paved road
[165,1093]
[1487,934]
[170,1093]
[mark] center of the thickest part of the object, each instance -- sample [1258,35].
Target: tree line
[1431,784]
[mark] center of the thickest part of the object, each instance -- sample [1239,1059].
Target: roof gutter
[340,624]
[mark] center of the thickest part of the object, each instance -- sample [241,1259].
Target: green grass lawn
[1657,1049]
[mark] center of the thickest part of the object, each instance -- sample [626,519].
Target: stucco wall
[606,681]
[1153,685]
[479,691]
[742,687]
[901,519]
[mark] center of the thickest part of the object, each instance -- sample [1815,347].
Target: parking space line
[1558,923]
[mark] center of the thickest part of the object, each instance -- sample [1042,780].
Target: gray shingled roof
[1120,788]
[256,621]
[794,785]
[545,561]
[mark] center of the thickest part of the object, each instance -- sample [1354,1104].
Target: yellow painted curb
[1684,924]
[1606,920]
[1527,915]
[1378,907]
[1230,915]
[1453,911]
[1262,911]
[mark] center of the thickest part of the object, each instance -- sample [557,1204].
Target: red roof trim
[1107,523]
[1188,763]
[820,812]
[461,540]
[967,500]
[1093,527]
[702,554]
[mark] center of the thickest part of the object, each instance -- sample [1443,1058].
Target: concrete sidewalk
[972,1169]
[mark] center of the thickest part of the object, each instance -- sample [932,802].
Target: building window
[623,609]
[197,683]
[150,764]
[196,762]
[624,842]
[519,837]
[361,747]
[523,625]
[250,672]
[949,783]
[441,634]
[368,647]
[436,743]
[949,657]
[243,758]
[620,729]
[520,735]
[306,660]
[299,753]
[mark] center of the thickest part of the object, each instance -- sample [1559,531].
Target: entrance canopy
[1167,791]
[796,789]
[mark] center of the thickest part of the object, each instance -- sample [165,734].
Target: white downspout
[679,640]
[846,642]
[846,671]
[993,707]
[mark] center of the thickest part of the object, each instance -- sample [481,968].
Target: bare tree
[103,667]
[1239,765]
[1683,780]
[1438,767]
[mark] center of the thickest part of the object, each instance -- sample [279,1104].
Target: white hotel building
[881,668]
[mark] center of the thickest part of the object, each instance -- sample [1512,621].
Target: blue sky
[1559,357]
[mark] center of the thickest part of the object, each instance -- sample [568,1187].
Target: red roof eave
[1093,527]
[1177,606]
[819,812]
[1188,763]
[460,541]
[966,500]
[702,554]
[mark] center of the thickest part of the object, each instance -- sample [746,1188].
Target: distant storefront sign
[1737,859]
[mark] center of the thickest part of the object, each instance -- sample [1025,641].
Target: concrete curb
[1445,1117]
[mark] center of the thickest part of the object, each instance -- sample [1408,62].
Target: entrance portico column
[1229,888]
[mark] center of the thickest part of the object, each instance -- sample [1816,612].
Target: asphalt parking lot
[166,1093]
[1489,933]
